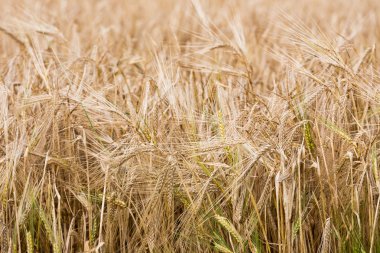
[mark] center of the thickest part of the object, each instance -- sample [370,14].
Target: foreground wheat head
[189,126]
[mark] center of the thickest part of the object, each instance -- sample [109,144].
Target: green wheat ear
[29,242]
[296,227]
[222,248]
[226,224]
[94,232]
[308,137]
[222,132]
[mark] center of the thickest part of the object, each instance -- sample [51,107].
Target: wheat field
[189,126]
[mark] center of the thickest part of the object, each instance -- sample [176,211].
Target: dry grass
[189,126]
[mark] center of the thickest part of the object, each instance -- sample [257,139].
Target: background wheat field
[189,126]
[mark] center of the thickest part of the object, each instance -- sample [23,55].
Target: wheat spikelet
[375,166]
[151,238]
[4,195]
[222,248]
[29,242]
[4,236]
[229,227]
[94,231]
[252,247]
[111,205]
[338,131]
[315,92]
[265,193]
[120,203]
[160,183]
[14,246]
[296,227]
[325,247]
[239,208]
[56,248]
[112,200]
[25,213]
[308,137]
[170,187]
[258,155]
[47,225]
[222,130]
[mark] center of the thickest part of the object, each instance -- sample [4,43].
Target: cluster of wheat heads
[189,126]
